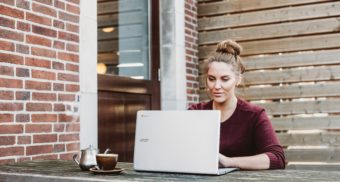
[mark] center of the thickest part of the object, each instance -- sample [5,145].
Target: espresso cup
[107,161]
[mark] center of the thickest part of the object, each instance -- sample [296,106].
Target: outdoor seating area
[74,73]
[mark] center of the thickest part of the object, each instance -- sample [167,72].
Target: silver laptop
[178,141]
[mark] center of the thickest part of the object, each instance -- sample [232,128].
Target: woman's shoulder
[201,106]
[249,107]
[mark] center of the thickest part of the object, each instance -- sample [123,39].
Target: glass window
[123,38]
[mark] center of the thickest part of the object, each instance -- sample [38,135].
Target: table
[68,171]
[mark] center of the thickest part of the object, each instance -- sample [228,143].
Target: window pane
[123,38]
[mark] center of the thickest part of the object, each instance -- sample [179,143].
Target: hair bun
[229,46]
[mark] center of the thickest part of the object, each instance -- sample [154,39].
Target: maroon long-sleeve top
[248,131]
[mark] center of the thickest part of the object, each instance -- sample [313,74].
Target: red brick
[72,147]
[37,62]
[72,47]
[11,12]
[68,36]
[67,156]
[46,157]
[59,4]
[8,34]
[57,148]
[68,77]
[58,127]
[10,83]
[11,151]
[5,22]
[58,87]
[59,107]
[44,118]
[68,57]
[47,2]
[38,107]
[7,161]
[68,17]
[72,9]
[37,40]
[59,24]
[68,137]
[72,28]
[43,75]
[24,139]
[58,65]
[7,140]
[66,118]
[22,118]
[11,129]
[45,138]
[6,70]
[23,4]
[72,88]
[9,2]
[73,127]
[44,10]
[66,97]
[59,45]
[6,118]
[22,95]
[38,128]
[24,49]
[44,31]
[74,1]
[22,72]
[23,26]
[6,46]
[44,96]
[38,19]
[10,58]
[23,159]
[43,52]
[6,95]
[40,149]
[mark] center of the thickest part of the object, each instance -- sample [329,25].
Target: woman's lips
[217,94]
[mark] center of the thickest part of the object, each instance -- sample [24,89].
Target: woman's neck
[227,108]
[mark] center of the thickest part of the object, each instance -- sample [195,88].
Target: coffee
[107,161]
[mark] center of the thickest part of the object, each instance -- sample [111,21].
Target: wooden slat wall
[292,57]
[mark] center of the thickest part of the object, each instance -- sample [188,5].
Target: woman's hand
[260,161]
[225,161]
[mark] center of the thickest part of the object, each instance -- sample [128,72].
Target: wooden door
[120,96]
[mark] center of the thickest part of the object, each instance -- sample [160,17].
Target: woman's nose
[217,84]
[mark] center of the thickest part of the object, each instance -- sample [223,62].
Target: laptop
[183,141]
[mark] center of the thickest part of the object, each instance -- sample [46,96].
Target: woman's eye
[211,79]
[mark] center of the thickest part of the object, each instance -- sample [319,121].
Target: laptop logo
[143,140]
[144,115]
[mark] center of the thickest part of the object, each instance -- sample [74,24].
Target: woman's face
[221,81]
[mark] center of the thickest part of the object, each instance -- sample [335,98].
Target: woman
[247,138]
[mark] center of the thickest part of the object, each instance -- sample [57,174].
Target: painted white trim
[88,74]
[172,51]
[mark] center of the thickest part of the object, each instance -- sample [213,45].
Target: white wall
[173,64]
[88,74]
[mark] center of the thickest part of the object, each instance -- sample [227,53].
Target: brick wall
[39,79]
[191,51]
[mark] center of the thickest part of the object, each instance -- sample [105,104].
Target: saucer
[99,171]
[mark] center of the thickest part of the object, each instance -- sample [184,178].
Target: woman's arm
[256,162]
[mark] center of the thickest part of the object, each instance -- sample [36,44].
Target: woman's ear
[239,80]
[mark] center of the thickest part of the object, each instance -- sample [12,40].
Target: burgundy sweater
[248,132]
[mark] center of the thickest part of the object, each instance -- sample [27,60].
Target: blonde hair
[227,51]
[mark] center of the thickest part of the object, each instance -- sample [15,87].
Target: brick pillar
[39,79]
[191,51]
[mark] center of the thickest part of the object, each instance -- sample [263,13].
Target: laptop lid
[177,141]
